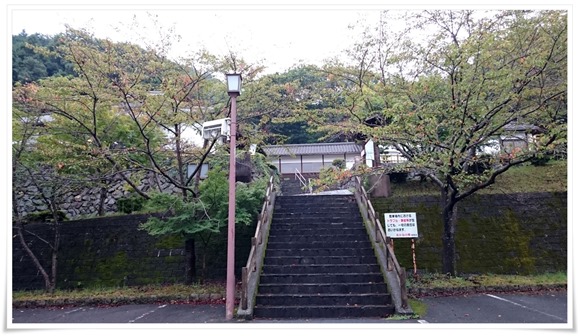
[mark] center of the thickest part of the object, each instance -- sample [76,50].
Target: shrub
[130,204]
[339,163]
[540,160]
[483,163]
[398,177]
[44,216]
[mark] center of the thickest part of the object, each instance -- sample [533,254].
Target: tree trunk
[54,271]
[204,267]
[55,244]
[45,276]
[449,213]
[196,181]
[180,166]
[197,177]
[49,279]
[190,272]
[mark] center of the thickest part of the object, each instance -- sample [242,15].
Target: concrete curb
[96,301]
[215,298]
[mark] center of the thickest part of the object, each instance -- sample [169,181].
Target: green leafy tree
[185,96]
[205,217]
[444,98]
[274,100]
[50,182]
[478,77]
[29,65]
[127,112]
[90,130]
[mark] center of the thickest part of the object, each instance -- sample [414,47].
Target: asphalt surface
[529,308]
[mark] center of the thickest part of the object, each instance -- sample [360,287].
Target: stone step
[312,216]
[323,288]
[319,238]
[285,245]
[317,211]
[314,204]
[316,222]
[319,260]
[313,199]
[283,226]
[333,251]
[323,300]
[320,269]
[321,230]
[310,203]
[325,278]
[334,312]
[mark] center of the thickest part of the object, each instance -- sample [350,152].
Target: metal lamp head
[234,83]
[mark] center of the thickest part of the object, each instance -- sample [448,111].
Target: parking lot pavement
[142,313]
[533,308]
[545,307]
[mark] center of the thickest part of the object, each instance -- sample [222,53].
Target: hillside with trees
[30,65]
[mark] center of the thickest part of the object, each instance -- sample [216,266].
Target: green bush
[398,177]
[44,216]
[130,204]
[339,163]
[540,160]
[481,165]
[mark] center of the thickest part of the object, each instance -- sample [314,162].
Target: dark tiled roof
[319,148]
[521,127]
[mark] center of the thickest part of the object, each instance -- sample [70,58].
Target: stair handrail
[388,260]
[298,176]
[250,272]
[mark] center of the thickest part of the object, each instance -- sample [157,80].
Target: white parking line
[147,313]
[520,305]
[74,310]
[422,321]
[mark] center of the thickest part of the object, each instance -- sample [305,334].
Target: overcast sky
[280,38]
[278,34]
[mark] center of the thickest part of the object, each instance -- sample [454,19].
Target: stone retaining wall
[112,251]
[505,234]
[85,202]
[499,233]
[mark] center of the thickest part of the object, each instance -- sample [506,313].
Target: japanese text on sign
[401,225]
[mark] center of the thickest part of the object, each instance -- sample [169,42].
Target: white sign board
[401,225]
[192,167]
[253,148]
[370,153]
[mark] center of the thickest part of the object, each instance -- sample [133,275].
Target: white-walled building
[311,158]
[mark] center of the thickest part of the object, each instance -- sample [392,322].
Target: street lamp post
[234,87]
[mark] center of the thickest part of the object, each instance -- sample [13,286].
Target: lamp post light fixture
[234,82]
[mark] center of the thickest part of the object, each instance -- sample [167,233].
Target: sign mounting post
[403,225]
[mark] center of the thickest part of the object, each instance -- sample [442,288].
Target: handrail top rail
[252,264]
[371,215]
[302,179]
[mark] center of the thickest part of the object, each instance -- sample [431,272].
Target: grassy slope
[552,177]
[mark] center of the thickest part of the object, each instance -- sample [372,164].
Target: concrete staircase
[291,186]
[319,263]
